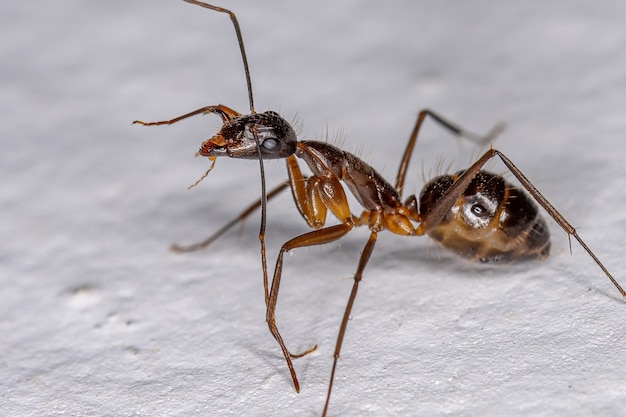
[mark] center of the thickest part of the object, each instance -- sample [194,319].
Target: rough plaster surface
[98,318]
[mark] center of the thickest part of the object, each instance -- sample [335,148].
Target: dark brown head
[238,137]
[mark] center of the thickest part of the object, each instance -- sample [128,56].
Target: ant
[473,213]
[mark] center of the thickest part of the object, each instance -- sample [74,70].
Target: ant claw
[306,352]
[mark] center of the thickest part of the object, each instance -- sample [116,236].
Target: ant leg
[456,130]
[454,192]
[365,256]
[296,178]
[316,237]
[226,113]
[565,225]
[239,219]
[313,198]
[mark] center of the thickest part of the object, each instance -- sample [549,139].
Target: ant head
[238,137]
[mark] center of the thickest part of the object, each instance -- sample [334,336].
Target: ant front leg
[226,113]
[456,130]
[313,197]
[316,237]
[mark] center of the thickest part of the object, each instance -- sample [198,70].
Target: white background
[98,318]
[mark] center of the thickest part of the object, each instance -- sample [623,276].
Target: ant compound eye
[270,144]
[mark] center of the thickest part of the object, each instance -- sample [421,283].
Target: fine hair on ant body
[473,213]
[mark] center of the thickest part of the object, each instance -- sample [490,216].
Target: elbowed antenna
[239,40]
[262,228]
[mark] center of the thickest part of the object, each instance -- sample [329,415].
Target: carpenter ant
[473,213]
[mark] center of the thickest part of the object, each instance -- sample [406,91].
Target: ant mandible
[473,213]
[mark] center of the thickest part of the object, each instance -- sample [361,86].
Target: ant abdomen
[492,221]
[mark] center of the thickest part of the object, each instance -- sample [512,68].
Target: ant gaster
[473,213]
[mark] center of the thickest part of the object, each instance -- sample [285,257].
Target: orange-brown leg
[304,191]
[316,237]
[302,194]
[365,256]
[313,197]
[456,130]
[226,113]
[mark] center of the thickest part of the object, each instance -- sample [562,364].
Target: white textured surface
[98,318]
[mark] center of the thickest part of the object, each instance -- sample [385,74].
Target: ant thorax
[368,186]
[492,221]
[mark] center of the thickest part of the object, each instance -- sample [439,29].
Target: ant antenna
[233,18]
[239,40]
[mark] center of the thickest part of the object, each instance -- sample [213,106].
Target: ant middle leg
[365,256]
[456,130]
